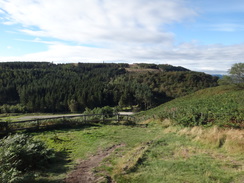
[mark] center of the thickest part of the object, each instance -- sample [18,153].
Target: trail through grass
[151,154]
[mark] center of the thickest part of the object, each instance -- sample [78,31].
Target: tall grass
[231,140]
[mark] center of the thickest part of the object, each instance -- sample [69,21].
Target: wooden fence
[43,123]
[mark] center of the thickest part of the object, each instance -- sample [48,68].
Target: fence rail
[42,123]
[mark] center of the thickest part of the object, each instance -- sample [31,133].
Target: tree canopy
[236,76]
[48,87]
[237,73]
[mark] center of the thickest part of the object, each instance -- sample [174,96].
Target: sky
[201,35]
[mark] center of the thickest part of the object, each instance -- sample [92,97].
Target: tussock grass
[231,140]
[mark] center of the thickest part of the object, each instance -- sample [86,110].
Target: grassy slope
[218,105]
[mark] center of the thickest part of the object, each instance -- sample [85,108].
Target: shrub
[13,108]
[21,156]
[107,111]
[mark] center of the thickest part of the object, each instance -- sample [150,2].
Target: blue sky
[202,35]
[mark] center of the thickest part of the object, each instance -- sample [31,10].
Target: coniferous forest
[48,87]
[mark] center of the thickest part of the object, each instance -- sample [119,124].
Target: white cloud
[97,21]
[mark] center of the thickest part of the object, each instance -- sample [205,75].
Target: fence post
[7,127]
[37,124]
[118,117]
[103,118]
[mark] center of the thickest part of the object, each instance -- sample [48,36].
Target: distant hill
[223,105]
[141,67]
[48,87]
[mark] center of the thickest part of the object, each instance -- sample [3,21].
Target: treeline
[48,87]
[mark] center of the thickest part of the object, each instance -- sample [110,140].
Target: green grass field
[152,154]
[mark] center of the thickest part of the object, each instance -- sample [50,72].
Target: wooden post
[6,127]
[64,121]
[37,124]
[118,117]
[103,118]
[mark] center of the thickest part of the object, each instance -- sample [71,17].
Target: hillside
[223,105]
[48,87]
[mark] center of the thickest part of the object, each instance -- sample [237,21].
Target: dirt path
[83,172]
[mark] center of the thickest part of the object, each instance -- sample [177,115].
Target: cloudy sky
[202,35]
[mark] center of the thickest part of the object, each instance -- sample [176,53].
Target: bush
[21,156]
[13,108]
[107,111]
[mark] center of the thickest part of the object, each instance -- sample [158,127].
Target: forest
[57,88]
